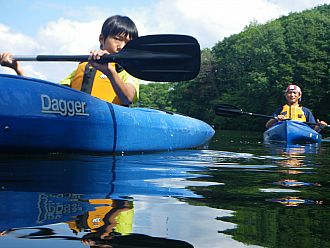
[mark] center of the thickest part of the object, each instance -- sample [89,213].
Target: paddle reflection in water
[93,196]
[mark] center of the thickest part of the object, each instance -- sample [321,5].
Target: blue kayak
[292,132]
[41,116]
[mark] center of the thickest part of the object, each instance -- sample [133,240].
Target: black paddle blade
[227,110]
[161,58]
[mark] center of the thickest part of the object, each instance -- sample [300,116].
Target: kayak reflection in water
[109,225]
[108,218]
[294,183]
[293,201]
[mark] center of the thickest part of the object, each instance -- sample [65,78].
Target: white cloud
[66,36]
[212,20]
[298,5]
[18,44]
[59,37]
[15,42]
[209,21]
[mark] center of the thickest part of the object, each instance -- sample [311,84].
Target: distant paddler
[294,111]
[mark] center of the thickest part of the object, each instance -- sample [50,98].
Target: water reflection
[279,194]
[112,241]
[294,183]
[295,162]
[257,195]
[92,196]
[294,149]
[295,159]
[293,201]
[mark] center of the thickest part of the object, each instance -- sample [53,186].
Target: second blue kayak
[292,132]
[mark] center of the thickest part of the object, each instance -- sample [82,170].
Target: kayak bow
[292,132]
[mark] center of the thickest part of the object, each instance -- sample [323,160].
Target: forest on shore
[251,70]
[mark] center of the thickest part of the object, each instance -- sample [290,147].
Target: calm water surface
[237,193]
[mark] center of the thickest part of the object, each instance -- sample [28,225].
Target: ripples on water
[237,193]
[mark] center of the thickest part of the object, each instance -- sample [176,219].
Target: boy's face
[114,44]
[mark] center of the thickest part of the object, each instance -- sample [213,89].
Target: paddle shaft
[160,58]
[257,115]
[229,110]
[50,58]
[272,117]
[104,59]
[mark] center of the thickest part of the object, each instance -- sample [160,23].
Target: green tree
[156,95]
[254,66]
[194,97]
[251,69]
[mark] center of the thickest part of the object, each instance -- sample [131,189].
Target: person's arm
[67,81]
[7,60]
[276,117]
[320,125]
[125,91]
[309,115]
[310,118]
[270,123]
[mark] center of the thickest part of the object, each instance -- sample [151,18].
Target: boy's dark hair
[117,24]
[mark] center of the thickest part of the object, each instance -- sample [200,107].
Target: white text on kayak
[62,107]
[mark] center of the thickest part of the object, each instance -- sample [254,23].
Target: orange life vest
[96,218]
[95,83]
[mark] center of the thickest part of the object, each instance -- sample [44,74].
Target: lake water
[237,193]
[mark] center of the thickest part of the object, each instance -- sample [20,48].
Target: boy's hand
[106,68]
[6,59]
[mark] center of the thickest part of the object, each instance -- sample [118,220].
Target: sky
[72,27]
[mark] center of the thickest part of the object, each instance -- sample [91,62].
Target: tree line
[251,70]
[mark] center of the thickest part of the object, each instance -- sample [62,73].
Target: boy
[107,81]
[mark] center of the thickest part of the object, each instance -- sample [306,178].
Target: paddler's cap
[293,87]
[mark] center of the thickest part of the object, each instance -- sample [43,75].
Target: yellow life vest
[96,218]
[94,82]
[294,112]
